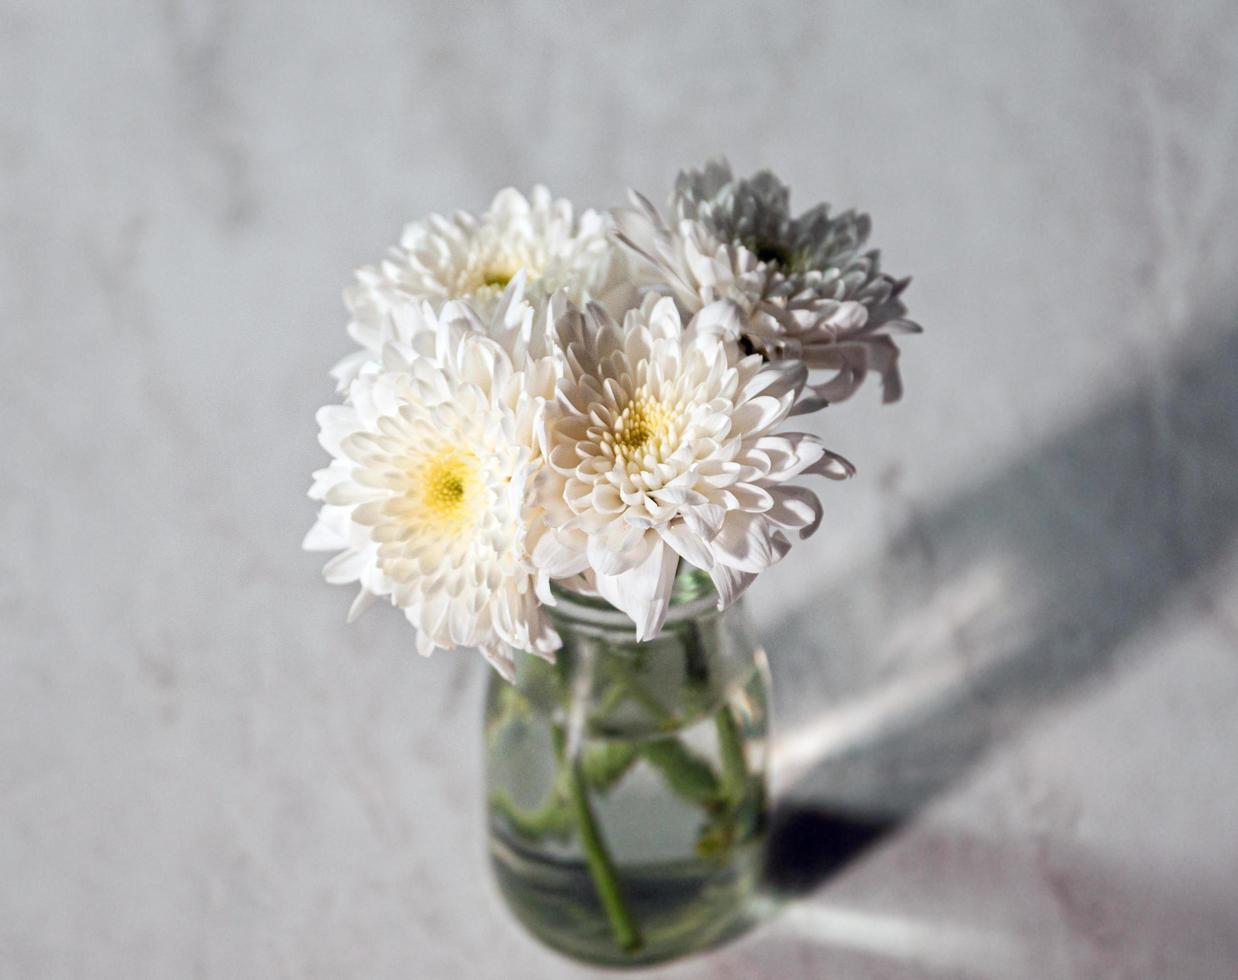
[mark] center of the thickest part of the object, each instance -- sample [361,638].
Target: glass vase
[626,782]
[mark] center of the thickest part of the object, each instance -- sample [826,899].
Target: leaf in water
[605,765]
[686,773]
[552,819]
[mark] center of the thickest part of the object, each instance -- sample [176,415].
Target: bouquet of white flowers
[591,400]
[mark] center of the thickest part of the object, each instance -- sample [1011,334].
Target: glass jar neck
[634,688]
[692,597]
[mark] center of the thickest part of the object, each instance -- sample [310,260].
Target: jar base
[680,908]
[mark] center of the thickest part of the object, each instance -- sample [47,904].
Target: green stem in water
[695,658]
[597,856]
[601,867]
[731,747]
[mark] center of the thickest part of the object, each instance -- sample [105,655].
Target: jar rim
[694,596]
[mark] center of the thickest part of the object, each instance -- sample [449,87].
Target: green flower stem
[695,659]
[731,746]
[597,855]
[615,695]
[601,867]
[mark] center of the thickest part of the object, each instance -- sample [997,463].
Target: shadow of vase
[1017,592]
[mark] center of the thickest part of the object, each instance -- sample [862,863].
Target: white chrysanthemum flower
[662,444]
[474,259]
[809,292]
[424,496]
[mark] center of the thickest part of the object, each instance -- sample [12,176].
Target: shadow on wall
[1006,598]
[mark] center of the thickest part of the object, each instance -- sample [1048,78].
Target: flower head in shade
[474,259]
[431,459]
[663,444]
[809,291]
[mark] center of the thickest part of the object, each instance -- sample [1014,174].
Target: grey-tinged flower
[809,289]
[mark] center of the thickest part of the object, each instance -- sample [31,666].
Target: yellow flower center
[643,426]
[448,489]
[498,270]
[498,276]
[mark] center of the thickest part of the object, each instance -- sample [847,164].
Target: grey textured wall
[1013,646]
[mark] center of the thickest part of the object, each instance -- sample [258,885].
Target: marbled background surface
[1014,645]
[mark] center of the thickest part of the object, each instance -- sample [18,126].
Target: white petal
[680,496]
[749,542]
[323,537]
[832,466]
[500,658]
[720,321]
[344,494]
[730,583]
[346,567]
[425,645]
[557,558]
[360,604]
[795,507]
[751,497]
[347,368]
[759,414]
[644,593]
[687,545]
[706,521]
